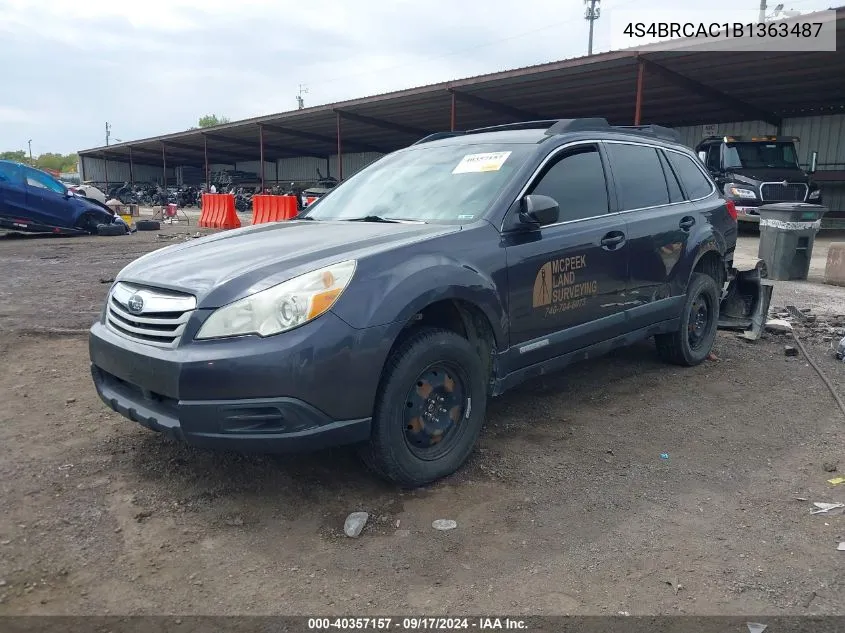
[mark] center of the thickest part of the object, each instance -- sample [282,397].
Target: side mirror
[539,210]
[702,156]
[814,162]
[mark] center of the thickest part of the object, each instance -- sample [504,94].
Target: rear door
[566,279]
[47,201]
[12,191]
[660,220]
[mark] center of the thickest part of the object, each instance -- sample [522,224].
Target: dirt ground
[567,506]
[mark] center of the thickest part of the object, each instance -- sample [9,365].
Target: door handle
[687,223]
[611,240]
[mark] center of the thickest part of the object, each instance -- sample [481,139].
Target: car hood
[758,175]
[227,266]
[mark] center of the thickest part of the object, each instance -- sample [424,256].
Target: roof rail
[659,131]
[522,125]
[437,136]
[578,125]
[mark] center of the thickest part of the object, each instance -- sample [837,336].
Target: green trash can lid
[792,211]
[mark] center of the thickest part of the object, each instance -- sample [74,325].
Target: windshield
[761,155]
[451,184]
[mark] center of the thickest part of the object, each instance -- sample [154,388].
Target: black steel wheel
[429,408]
[434,407]
[693,341]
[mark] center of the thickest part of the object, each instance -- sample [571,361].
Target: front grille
[160,320]
[780,192]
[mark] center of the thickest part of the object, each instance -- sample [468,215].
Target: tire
[148,225]
[416,378]
[89,224]
[111,230]
[691,344]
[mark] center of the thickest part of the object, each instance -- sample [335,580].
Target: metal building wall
[118,171]
[301,168]
[825,135]
[353,163]
[254,167]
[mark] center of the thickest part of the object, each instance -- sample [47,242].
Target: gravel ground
[567,506]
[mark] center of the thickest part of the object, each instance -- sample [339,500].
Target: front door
[47,199]
[567,280]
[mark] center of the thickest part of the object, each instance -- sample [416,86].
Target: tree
[210,120]
[19,156]
[50,160]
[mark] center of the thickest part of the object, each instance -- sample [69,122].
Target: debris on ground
[841,547]
[778,325]
[354,524]
[676,586]
[756,627]
[824,508]
[235,521]
[106,280]
[664,455]
[143,515]
[830,467]
[836,481]
[808,599]
[796,313]
[789,350]
[840,352]
[444,524]
[712,356]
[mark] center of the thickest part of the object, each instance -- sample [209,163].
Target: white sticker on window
[475,163]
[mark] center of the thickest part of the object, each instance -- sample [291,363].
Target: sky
[151,67]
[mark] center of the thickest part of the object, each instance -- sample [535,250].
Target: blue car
[33,201]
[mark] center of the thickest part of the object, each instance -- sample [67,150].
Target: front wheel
[429,409]
[691,344]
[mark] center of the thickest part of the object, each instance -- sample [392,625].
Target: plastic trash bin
[787,233]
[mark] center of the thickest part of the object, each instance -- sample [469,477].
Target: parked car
[34,201]
[89,191]
[757,170]
[444,273]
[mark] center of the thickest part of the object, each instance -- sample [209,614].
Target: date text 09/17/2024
[416,624]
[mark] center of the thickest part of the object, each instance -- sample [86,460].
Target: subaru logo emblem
[135,304]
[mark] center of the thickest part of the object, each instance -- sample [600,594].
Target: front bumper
[305,389]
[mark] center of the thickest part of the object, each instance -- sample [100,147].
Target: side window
[577,182]
[675,193]
[713,162]
[35,178]
[694,182]
[10,173]
[639,177]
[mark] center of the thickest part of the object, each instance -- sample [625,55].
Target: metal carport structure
[683,86]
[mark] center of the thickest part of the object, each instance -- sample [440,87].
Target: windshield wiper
[378,218]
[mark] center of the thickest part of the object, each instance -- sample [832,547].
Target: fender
[395,295]
[701,242]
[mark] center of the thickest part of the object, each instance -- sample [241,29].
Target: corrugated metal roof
[684,86]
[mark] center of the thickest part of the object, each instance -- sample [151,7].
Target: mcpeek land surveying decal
[560,285]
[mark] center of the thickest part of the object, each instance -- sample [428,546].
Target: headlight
[814,195]
[282,307]
[739,192]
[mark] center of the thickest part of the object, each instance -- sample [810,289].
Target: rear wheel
[691,344]
[429,409]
